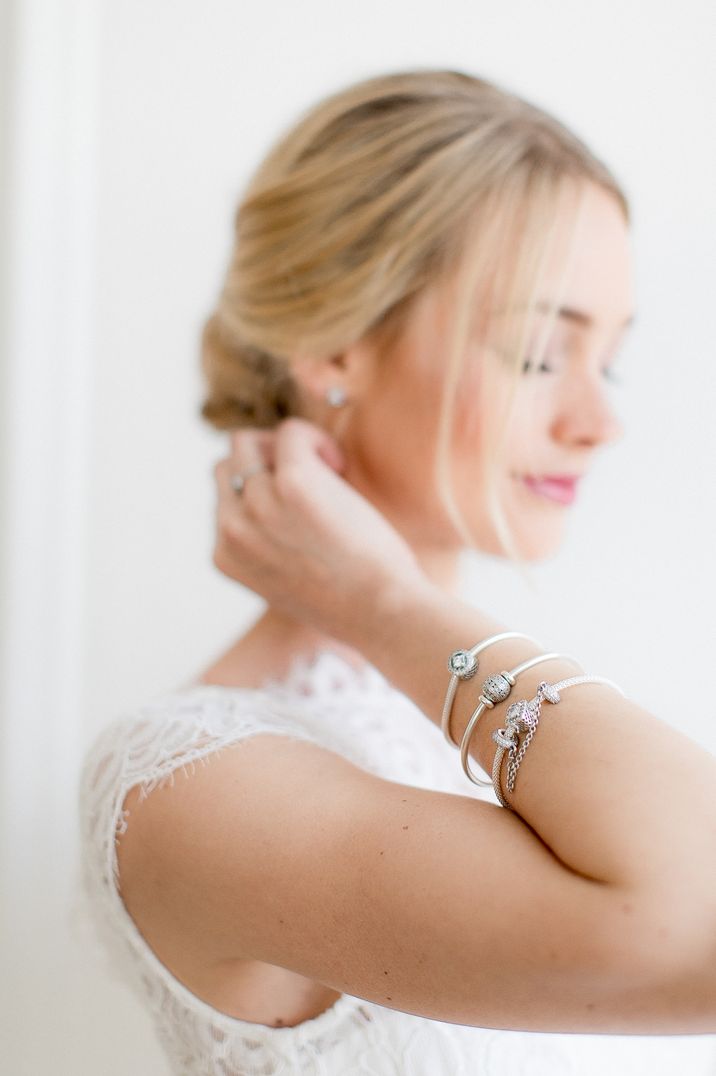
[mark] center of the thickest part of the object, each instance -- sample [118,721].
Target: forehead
[587,277]
[590,270]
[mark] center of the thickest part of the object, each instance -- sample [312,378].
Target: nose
[585,415]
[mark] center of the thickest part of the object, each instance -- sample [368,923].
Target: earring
[336,396]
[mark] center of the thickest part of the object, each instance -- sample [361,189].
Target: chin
[535,546]
[539,549]
[538,535]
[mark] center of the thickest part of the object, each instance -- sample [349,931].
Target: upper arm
[436,904]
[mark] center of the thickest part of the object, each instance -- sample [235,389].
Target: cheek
[474,425]
[528,429]
[394,437]
[405,413]
[493,408]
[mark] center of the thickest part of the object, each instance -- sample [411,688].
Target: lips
[559,488]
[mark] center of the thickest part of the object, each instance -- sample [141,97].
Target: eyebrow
[578,317]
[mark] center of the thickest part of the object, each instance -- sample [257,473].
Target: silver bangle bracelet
[463,665]
[496,689]
[524,716]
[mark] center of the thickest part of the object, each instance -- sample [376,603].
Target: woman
[429,286]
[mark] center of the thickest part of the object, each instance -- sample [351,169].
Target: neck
[276,629]
[274,639]
[442,567]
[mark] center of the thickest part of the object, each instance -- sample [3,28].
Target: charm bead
[502,737]
[517,709]
[496,688]
[549,692]
[526,719]
[462,664]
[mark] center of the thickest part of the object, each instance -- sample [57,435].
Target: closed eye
[527,366]
[608,372]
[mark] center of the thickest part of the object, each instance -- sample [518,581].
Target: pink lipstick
[559,488]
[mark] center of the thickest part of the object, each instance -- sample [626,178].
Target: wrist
[374,610]
[398,610]
[412,629]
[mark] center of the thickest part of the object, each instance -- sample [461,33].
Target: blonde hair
[380,190]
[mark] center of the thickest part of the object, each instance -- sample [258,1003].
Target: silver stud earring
[336,396]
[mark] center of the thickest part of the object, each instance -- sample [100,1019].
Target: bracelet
[463,665]
[496,689]
[524,715]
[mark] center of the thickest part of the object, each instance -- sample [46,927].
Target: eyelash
[609,374]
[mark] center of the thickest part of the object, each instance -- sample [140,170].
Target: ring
[238,481]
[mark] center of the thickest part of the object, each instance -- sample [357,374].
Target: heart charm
[549,692]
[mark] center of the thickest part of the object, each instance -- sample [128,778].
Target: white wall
[129,132]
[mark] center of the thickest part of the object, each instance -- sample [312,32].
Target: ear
[352,369]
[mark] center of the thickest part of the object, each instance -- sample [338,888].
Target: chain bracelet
[525,715]
[495,690]
[514,760]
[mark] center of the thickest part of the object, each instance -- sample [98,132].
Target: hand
[301,536]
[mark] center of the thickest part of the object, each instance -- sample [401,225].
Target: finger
[236,520]
[251,456]
[250,446]
[241,530]
[300,441]
[224,471]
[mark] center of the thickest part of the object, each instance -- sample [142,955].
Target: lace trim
[180,729]
[176,731]
[324,673]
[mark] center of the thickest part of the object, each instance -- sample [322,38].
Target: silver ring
[238,481]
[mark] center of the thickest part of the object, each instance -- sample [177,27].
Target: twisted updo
[374,194]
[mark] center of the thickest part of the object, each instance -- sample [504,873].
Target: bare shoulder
[283,852]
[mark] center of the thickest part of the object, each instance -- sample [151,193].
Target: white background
[126,133]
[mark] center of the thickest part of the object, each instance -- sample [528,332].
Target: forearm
[617,794]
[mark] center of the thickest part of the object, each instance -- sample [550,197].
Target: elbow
[667,953]
[681,932]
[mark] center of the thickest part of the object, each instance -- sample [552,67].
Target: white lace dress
[359,715]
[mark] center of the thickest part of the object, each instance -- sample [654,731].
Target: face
[563,412]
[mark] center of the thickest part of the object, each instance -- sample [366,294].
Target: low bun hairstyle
[377,192]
